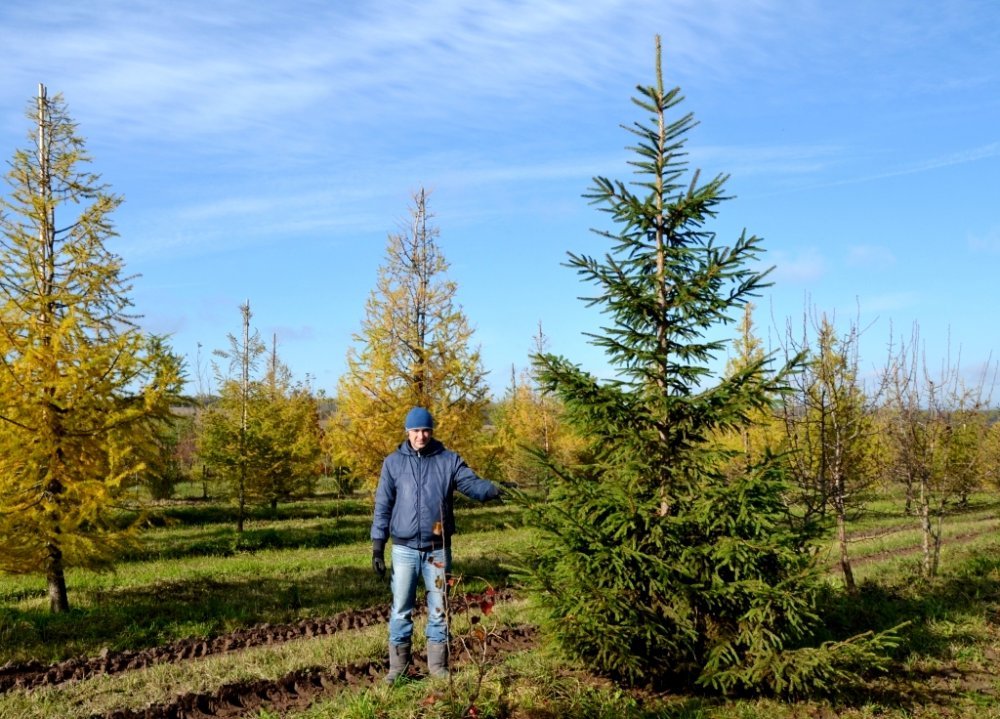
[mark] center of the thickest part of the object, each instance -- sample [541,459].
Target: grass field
[197,608]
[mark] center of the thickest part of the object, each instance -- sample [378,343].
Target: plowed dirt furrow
[300,689]
[34,674]
[29,675]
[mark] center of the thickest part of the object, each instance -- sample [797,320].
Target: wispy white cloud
[870,256]
[960,157]
[806,266]
[223,225]
[239,129]
[888,302]
[196,69]
[293,334]
[987,242]
[782,160]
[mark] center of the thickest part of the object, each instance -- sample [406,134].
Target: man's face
[419,437]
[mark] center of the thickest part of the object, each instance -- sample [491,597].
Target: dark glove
[503,491]
[378,557]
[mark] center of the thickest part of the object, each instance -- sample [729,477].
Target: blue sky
[265,150]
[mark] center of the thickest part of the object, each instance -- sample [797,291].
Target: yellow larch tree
[762,432]
[414,349]
[528,426]
[80,383]
[261,435]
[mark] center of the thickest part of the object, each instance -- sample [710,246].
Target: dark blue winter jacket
[416,492]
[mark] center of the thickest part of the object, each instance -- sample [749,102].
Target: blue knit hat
[419,418]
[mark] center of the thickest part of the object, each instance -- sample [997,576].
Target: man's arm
[472,485]
[385,498]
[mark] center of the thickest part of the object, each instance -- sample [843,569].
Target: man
[414,506]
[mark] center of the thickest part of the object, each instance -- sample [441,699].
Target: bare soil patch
[29,675]
[300,689]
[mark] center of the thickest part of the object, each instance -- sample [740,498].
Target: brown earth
[29,675]
[942,688]
[300,689]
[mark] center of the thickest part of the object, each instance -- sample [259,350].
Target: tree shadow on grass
[476,517]
[202,512]
[225,541]
[940,618]
[198,539]
[479,572]
[147,616]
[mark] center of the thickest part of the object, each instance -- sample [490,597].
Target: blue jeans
[407,566]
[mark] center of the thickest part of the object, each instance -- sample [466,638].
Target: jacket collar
[433,447]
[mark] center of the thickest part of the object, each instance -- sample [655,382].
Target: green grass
[202,580]
[191,575]
[952,635]
[161,683]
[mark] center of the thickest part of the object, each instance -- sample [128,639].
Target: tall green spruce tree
[655,566]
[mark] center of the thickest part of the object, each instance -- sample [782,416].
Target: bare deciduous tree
[937,428]
[830,428]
